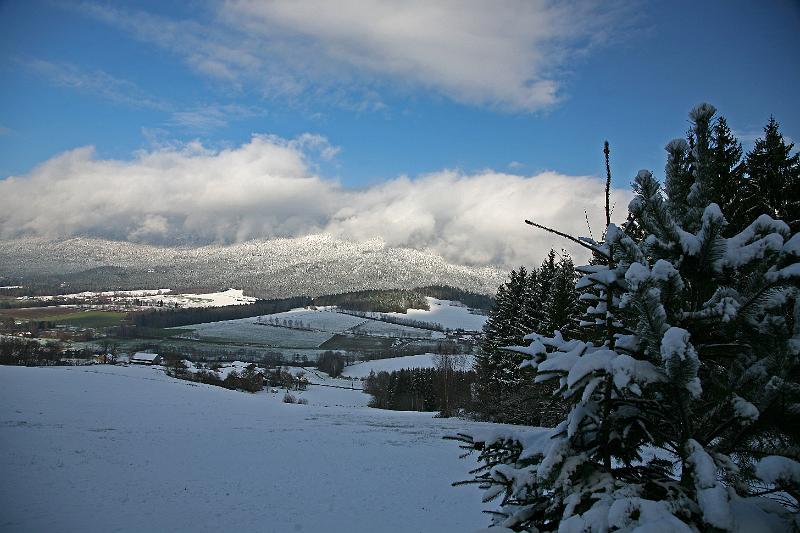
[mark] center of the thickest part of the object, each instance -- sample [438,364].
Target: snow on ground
[450,314]
[210,299]
[379,328]
[322,320]
[425,360]
[322,389]
[303,328]
[109,448]
[330,319]
[222,371]
[111,294]
[155,296]
[249,330]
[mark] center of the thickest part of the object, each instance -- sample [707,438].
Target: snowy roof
[144,356]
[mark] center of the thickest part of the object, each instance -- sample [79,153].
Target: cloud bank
[471,51]
[266,188]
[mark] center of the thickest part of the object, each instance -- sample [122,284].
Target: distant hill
[309,266]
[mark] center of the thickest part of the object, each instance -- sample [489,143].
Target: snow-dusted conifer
[685,411]
[678,178]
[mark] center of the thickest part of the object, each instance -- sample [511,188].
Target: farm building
[144,358]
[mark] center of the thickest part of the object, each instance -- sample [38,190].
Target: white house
[144,358]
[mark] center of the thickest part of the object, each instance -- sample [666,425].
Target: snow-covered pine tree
[678,178]
[685,414]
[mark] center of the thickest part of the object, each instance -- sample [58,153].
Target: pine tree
[727,171]
[685,411]
[772,186]
[561,307]
[678,181]
[541,300]
[704,169]
[701,162]
[502,387]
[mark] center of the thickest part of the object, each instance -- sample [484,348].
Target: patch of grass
[88,319]
[356,343]
[38,313]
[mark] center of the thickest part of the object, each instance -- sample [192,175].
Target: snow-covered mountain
[311,265]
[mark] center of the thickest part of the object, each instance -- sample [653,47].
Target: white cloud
[507,56]
[206,118]
[197,119]
[96,82]
[265,188]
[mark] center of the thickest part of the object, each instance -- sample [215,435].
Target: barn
[144,358]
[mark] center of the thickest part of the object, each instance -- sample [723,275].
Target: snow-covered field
[379,328]
[449,314]
[317,327]
[155,296]
[425,360]
[331,320]
[326,319]
[249,330]
[110,448]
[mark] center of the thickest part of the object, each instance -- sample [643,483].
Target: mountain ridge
[313,265]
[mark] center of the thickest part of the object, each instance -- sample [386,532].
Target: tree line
[380,301]
[421,389]
[198,315]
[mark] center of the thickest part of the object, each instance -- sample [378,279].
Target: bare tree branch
[570,237]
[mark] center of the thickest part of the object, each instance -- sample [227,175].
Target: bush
[289,398]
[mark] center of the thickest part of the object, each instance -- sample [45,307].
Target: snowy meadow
[130,449]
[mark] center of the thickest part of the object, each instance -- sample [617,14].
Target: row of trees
[197,315]
[392,319]
[421,389]
[683,381]
[765,182]
[470,299]
[543,300]
[26,352]
[381,301]
[249,379]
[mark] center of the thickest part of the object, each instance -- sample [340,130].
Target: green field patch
[38,313]
[356,343]
[87,319]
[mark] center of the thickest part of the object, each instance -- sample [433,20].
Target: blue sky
[634,89]
[520,87]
